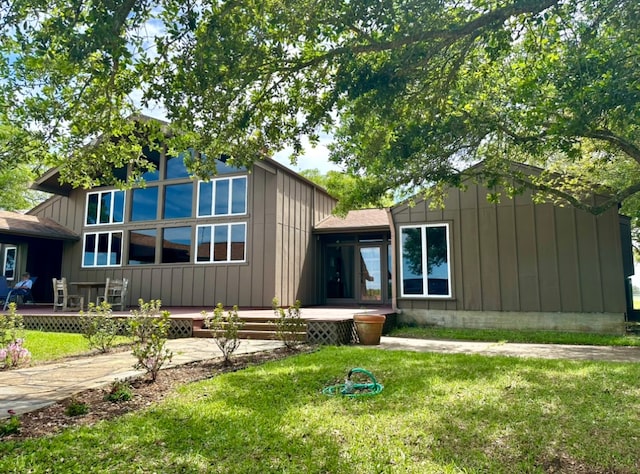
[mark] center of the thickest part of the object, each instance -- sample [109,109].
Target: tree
[413,90]
[349,190]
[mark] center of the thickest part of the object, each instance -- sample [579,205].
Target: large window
[142,246]
[144,204]
[221,243]
[102,249]
[222,197]
[426,269]
[177,201]
[105,207]
[175,167]
[176,245]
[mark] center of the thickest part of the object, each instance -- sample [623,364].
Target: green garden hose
[355,389]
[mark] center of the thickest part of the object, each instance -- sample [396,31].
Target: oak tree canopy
[412,91]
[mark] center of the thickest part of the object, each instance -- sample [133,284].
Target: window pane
[204,244]
[177,201]
[176,167]
[220,243]
[115,257]
[103,249]
[105,207]
[412,276]
[222,197]
[223,168]
[153,157]
[118,206]
[238,242]
[142,246]
[437,263]
[239,197]
[204,198]
[176,245]
[92,209]
[144,204]
[89,250]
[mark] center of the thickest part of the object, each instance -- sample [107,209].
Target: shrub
[99,327]
[11,326]
[11,426]
[14,355]
[76,408]
[120,391]
[150,330]
[289,325]
[224,328]
[12,352]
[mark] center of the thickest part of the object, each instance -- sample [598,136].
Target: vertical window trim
[112,202]
[95,248]
[425,274]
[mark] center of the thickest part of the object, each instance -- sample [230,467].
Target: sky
[314,157]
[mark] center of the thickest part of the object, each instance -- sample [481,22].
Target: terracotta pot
[369,328]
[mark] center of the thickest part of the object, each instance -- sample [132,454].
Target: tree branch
[450,34]
[606,135]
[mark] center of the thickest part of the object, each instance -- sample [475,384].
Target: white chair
[62,299]
[115,292]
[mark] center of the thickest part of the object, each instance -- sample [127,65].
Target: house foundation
[600,323]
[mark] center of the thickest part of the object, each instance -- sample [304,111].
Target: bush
[11,426]
[76,408]
[225,328]
[150,331]
[120,392]
[289,324]
[12,352]
[99,327]
[11,326]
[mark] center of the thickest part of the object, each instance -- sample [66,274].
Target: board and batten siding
[516,256]
[300,205]
[281,212]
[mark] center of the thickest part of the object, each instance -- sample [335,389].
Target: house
[246,236]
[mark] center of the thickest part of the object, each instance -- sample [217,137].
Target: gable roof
[360,220]
[12,223]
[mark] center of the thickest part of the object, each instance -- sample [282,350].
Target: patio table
[88,286]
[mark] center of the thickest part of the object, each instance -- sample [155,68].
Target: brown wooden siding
[517,256]
[299,207]
[282,209]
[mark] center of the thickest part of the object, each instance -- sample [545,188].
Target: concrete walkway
[28,389]
[537,351]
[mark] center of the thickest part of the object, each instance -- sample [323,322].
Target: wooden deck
[324,325]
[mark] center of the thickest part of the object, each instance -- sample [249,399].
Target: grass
[48,346]
[437,413]
[536,337]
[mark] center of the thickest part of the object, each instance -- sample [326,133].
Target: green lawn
[437,413]
[536,337]
[47,346]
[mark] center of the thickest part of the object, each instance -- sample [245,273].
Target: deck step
[249,334]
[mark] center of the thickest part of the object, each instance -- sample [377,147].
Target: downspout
[394,291]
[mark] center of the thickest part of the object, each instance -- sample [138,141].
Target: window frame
[14,250]
[110,233]
[214,183]
[113,193]
[212,243]
[425,275]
